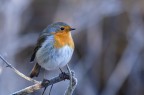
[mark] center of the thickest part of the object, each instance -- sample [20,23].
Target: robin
[54,48]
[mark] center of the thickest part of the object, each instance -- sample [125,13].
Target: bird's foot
[45,82]
[64,75]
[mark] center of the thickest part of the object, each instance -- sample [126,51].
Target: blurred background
[109,44]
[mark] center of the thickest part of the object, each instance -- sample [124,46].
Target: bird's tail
[35,71]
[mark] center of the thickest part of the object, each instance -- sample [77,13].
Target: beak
[71,29]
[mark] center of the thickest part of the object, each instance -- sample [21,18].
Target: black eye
[62,28]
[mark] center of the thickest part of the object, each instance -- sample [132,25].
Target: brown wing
[41,39]
[35,71]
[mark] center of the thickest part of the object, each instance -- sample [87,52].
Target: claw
[45,82]
[63,75]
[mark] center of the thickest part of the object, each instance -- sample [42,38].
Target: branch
[72,85]
[69,71]
[38,85]
[18,72]
[45,83]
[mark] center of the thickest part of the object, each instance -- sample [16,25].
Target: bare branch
[70,76]
[38,85]
[45,83]
[71,88]
[18,72]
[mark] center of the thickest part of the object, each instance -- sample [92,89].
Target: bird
[54,48]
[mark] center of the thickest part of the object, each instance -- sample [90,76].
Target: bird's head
[59,27]
[61,33]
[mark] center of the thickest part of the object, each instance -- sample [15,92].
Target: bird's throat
[62,39]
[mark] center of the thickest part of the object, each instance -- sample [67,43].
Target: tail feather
[35,71]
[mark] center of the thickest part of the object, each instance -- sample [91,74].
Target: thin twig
[71,80]
[70,88]
[38,85]
[18,72]
[43,84]
[69,71]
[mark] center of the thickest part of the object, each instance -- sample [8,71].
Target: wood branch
[71,88]
[38,85]
[71,81]
[45,83]
[18,72]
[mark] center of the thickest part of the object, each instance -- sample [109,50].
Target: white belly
[50,58]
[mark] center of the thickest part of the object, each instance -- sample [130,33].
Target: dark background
[109,43]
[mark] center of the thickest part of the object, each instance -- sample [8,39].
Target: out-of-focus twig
[18,72]
[130,56]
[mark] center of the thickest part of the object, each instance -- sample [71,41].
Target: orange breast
[62,39]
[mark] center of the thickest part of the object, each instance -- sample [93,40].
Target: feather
[35,71]
[40,41]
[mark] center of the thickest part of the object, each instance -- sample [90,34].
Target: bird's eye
[62,28]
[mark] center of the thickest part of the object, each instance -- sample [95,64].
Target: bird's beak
[71,29]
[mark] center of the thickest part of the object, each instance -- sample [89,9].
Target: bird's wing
[40,41]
